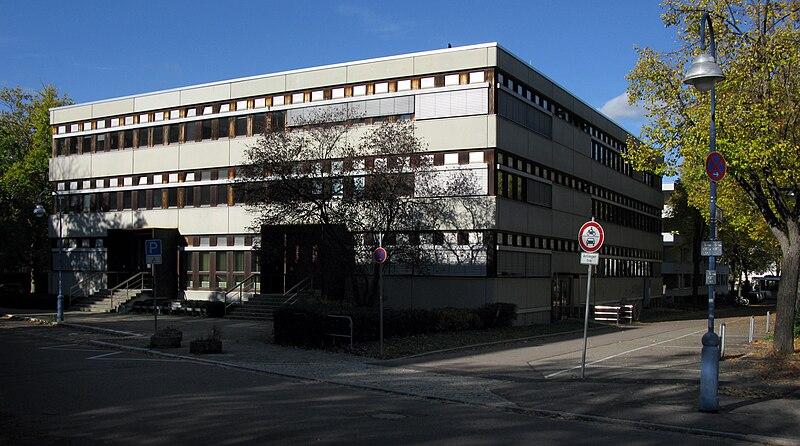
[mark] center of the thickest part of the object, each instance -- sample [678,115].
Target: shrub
[497,315]
[306,325]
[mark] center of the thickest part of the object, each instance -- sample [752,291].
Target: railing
[235,294]
[290,296]
[342,335]
[135,282]
[81,286]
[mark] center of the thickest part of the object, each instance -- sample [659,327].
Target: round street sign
[716,166]
[379,255]
[591,236]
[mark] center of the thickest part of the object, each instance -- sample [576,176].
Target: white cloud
[618,108]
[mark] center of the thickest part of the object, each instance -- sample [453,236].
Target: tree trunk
[787,292]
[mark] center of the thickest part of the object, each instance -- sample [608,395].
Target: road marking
[69,348]
[625,353]
[107,357]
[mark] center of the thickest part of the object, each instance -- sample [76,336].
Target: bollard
[767,322]
[752,324]
[722,340]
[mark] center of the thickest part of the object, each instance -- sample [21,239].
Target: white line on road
[625,353]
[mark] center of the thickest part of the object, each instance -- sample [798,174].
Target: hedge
[306,325]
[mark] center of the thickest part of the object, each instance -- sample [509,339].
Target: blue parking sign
[152,247]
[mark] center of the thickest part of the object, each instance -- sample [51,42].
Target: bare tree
[376,180]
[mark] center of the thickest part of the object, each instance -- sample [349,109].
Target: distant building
[163,165]
[678,266]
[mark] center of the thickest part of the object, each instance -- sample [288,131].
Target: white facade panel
[451,61]
[67,167]
[74,113]
[259,86]
[211,93]
[114,107]
[156,101]
[200,155]
[455,133]
[207,220]
[110,163]
[158,218]
[384,69]
[155,159]
[316,78]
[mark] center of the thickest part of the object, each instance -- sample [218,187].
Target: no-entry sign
[591,236]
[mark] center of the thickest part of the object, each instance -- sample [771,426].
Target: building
[163,165]
[682,260]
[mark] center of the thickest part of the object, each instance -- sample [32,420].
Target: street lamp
[39,211]
[703,74]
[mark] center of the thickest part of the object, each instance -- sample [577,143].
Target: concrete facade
[549,162]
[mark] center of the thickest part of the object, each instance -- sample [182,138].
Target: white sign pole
[586,323]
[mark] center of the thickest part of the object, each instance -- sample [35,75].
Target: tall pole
[709,357]
[60,296]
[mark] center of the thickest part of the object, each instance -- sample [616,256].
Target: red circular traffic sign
[379,255]
[716,167]
[591,236]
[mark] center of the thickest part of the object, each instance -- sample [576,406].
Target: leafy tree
[25,147]
[373,180]
[757,114]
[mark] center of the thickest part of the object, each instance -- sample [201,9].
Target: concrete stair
[106,301]
[258,307]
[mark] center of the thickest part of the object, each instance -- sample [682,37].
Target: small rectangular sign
[153,260]
[152,247]
[590,258]
[711,248]
[711,277]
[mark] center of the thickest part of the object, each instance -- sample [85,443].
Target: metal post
[60,297]
[767,331]
[586,323]
[380,292]
[722,340]
[752,326]
[380,301]
[709,357]
[155,300]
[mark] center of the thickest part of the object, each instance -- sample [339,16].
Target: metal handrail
[138,282]
[239,288]
[79,286]
[290,296]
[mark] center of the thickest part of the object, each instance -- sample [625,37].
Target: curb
[541,413]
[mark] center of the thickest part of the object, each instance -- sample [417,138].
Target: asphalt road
[57,390]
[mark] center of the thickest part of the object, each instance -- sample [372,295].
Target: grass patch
[413,345]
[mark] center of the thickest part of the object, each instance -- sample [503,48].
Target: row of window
[379,87]
[219,270]
[625,217]
[532,168]
[174,197]
[513,109]
[565,245]
[177,133]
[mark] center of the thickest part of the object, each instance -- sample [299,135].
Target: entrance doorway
[126,258]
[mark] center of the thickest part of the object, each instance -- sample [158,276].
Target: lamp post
[39,211]
[703,74]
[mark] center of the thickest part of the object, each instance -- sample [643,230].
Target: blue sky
[100,49]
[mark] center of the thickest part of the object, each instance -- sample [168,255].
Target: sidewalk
[750,411]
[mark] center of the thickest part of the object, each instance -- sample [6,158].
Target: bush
[306,325]
[497,315]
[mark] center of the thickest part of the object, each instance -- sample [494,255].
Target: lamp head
[39,210]
[703,73]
